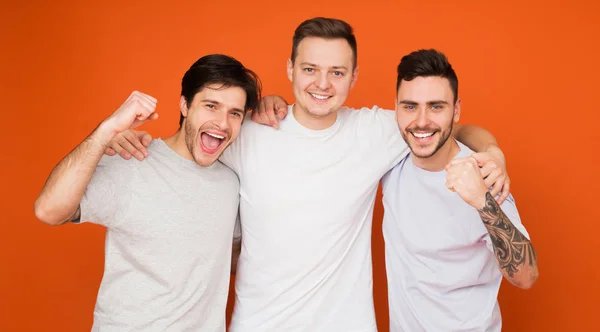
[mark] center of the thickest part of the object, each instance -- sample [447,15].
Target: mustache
[212,126]
[417,128]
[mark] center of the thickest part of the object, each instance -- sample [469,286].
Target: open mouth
[319,97]
[210,142]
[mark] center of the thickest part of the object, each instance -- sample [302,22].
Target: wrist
[103,134]
[480,203]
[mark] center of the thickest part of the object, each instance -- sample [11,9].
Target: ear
[354,76]
[457,110]
[290,69]
[183,106]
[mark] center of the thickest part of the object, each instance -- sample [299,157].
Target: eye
[211,106]
[236,114]
[409,107]
[338,73]
[436,107]
[309,70]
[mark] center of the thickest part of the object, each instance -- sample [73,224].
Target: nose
[422,118]
[222,120]
[322,80]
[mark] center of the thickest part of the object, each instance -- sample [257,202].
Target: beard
[443,133]
[192,137]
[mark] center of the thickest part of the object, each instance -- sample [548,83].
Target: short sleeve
[509,208]
[102,195]
[382,129]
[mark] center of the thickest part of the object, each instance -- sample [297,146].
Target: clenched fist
[464,178]
[137,109]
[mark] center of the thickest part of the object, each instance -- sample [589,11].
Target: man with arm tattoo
[448,242]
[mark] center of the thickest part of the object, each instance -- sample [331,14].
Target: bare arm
[515,254]
[59,200]
[476,138]
[488,156]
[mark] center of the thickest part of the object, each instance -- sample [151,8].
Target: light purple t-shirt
[441,270]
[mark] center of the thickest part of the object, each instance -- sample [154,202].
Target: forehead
[324,52]
[423,89]
[231,97]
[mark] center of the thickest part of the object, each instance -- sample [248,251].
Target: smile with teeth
[215,135]
[422,135]
[319,97]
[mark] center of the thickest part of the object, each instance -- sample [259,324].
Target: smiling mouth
[210,142]
[319,97]
[422,135]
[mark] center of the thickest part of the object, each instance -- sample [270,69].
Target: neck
[438,161]
[177,143]
[311,121]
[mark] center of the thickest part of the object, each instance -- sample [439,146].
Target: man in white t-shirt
[447,241]
[307,191]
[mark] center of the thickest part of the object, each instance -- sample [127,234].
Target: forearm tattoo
[511,247]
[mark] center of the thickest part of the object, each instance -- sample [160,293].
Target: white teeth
[320,97]
[215,136]
[422,135]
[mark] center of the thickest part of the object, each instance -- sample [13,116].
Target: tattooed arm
[515,254]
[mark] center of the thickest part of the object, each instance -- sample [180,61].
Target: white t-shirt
[441,270]
[306,204]
[168,241]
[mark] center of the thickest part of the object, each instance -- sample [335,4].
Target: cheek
[342,85]
[404,120]
[447,120]
[203,117]
[302,82]
[235,125]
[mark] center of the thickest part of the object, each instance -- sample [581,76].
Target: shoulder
[374,113]
[116,163]
[392,177]
[221,173]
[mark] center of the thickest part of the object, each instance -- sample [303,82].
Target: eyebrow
[210,101]
[235,109]
[313,65]
[432,102]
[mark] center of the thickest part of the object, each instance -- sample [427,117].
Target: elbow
[528,281]
[43,214]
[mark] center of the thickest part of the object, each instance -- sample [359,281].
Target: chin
[424,152]
[320,110]
[205,160]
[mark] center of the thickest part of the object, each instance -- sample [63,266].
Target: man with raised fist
[448,242]
[170,218]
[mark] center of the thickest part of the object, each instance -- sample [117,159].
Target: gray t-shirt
[169,224]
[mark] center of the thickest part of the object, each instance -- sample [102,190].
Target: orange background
[528,73]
